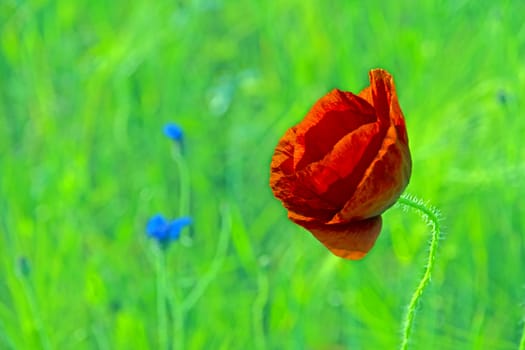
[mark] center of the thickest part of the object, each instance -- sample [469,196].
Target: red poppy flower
[343,165]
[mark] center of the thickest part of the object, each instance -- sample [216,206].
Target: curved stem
[220,254]
[431,216]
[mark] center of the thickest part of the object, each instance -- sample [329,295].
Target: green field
[86,89]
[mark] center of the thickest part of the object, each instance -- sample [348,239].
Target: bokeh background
[86,88]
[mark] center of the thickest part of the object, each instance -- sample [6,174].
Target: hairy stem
[431,217]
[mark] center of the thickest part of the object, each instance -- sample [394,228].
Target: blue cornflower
[173,131]
[164,230]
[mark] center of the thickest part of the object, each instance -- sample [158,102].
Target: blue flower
[173,131]
[165,231]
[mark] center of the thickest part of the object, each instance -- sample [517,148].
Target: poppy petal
[295,195]
[331,118]
[337,175]
[350,241]
[381,86]
[366,94]
[282,160]
[382,183]
[300,200]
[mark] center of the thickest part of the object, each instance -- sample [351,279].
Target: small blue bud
[173,131]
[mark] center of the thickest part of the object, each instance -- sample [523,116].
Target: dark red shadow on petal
[298,199]
[339,191]
[381,89]
[329,120]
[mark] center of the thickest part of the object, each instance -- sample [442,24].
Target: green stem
[180,306]
[162,319]
[220,254]
[431,216]
[184,182]
[174,302]
[178,328]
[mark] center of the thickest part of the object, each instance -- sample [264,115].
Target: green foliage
[86,89]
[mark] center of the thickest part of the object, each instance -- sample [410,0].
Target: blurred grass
[86,89]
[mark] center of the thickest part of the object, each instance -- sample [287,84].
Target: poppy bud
[343,165]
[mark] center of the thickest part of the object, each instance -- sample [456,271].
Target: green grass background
[86,87]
